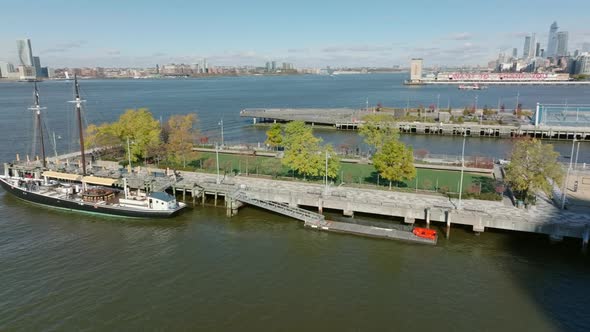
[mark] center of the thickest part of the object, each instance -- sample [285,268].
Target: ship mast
[78,103]
[37,108]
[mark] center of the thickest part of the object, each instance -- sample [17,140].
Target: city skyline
[311,34]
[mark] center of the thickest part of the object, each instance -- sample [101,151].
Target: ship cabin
[161,201]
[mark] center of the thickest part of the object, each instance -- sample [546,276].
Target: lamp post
[326,175]
[462,168]
[129,153]
[217,161]
[437,102]
[567,175]
[221,124]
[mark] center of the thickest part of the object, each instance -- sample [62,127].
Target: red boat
[424,233]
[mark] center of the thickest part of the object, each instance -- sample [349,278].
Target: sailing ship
[82,191]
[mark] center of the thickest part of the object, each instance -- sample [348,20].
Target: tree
[302,149]
[182,134]
[532,166]
[100,136]
[274,136]
[395,162]
[140,127]
[378,128]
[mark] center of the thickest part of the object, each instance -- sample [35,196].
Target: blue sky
[306,33]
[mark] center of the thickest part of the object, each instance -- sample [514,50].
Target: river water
[260,271]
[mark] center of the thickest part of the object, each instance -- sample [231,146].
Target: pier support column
[174,190]
[585,238]
[448,222]
[215,203]
[427,217]
[194,197]
[409,220]
[320,205]
[479,227]
[203,197]
[184,194]
[292,200]
[348,211]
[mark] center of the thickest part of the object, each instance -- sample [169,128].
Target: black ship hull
[67,204]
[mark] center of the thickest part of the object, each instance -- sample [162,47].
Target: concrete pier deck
[351,119]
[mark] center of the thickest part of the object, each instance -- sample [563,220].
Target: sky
[133,33]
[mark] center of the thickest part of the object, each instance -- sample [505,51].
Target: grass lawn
[427,179]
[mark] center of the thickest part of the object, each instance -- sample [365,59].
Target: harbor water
[259,271]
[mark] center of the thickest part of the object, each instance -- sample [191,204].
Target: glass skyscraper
[25,52]
[552,41]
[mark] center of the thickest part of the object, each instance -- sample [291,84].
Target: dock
[351,119]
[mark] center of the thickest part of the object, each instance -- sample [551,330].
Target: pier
[351,119]
[300,199]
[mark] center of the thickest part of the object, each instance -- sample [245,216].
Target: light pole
[481,115]
[577,153]
[567,175]
[129,153]
[517,96]
[217,161]
[462,167]
[438,102]
[221,124]
[326,175]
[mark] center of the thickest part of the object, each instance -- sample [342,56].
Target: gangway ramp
[281,208]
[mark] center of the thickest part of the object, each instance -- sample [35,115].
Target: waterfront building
[26,72]
[583,64]
[552,40]
[25,52]
[416,70]
[6,69]
[562,41]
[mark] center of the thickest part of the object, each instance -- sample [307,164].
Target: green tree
[395,162]
[274,136]
[182,133]
[302,149]
[532,165]
[140,127]
[378,129]
[100,136]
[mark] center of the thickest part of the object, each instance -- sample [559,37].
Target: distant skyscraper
[37,65]
[585,47]
[562,40]
[6,69]
[268,68]
[552,41]
[538,50]
[25,52]
[515,52]
[527,47]
[416,70]
[273,66]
